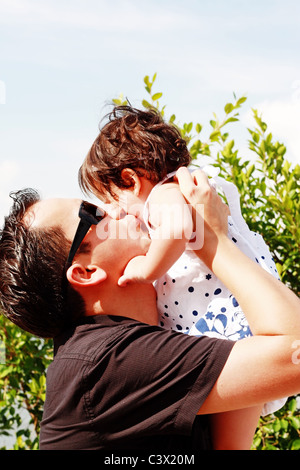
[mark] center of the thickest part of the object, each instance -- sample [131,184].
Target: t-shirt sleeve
[156,381]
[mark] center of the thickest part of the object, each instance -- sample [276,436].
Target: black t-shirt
[116,383]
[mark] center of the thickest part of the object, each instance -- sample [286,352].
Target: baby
[133,162]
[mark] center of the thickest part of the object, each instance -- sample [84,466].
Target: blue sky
[62,61]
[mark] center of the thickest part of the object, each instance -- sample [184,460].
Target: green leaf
[146,104]
[5,371]
[214,136]
[283,424]
[295,445]
[295,422]
[271,447]
[292,405]
[250,170]
[256,441]
[189,127]
[228,108]
[156,96]
[241,101]
[232,119]
[34,386]
[281,150]
[120,101]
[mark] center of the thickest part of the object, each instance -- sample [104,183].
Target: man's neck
[136,301]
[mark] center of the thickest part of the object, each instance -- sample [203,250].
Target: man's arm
[261,368]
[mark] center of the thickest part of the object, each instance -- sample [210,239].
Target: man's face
[112,243]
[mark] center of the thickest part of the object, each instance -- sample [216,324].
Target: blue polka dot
[235,302]
[210,315]
[179,327]
[191,289]
[223,309]
[234,239]
[195,312]
[207,294]
[173,280]
[176,303]
[217,291]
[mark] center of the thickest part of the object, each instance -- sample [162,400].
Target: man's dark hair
[135,139]
[33,293]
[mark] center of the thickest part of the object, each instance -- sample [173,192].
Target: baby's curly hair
[135,139]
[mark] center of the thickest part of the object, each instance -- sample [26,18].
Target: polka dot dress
[191,299]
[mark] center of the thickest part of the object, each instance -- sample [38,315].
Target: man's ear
[85,276]
[131,179]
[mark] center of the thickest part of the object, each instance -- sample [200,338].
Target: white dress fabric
[192,300]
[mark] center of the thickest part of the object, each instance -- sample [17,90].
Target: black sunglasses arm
[82,230]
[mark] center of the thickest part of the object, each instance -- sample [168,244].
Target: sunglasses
[89,215]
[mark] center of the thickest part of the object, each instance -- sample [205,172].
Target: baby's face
[126,200]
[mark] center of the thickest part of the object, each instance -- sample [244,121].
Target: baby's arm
[172,219]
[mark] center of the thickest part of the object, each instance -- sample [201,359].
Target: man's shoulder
[87,336]
[94,334]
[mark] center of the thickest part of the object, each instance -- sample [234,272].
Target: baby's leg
[234,430]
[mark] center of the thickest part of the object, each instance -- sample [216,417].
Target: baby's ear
[132,180]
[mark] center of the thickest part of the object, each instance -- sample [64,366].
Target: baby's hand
[134,272]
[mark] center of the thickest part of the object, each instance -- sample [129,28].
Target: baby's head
[132,142]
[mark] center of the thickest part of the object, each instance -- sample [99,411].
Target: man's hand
[207,205]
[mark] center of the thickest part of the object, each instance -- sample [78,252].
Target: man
[118,381]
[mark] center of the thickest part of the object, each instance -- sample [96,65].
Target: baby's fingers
[124,281]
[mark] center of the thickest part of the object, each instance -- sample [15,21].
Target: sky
[63,61]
